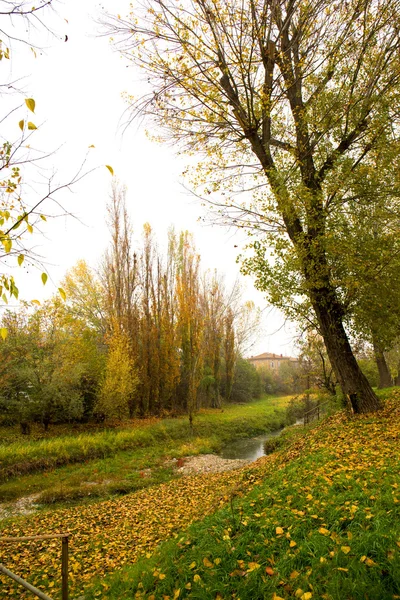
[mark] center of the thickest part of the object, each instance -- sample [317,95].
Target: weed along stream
[249,448]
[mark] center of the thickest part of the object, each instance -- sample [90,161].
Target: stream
[249,448]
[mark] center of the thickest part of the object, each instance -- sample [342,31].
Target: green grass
[320,520]
[93,465]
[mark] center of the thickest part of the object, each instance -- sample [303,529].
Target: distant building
[271,361]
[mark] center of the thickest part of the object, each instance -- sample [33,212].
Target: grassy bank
[319,519]
[127,458]
[322,522]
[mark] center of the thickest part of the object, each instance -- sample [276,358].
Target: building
[271,361]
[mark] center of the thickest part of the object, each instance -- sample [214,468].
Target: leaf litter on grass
[295,522]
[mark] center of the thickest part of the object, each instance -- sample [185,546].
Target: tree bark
[385,377]
[397,378]
[353,382]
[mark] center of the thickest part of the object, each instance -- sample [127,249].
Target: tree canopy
[291,102]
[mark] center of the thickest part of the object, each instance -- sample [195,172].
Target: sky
[77,86]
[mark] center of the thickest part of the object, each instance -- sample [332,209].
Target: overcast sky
[78,85]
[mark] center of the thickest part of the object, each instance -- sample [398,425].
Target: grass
[318,519]
[92,465]
[322,522]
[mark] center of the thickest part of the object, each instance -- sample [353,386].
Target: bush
[272,444]
[247,382]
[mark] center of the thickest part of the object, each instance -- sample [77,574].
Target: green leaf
[3,333]
[110,169]
[20,259]
[44,278]
[62,294]
[30,104]
[21,124]
[31,125]
[4,298]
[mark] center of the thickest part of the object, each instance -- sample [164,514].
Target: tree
[48,358]
[286,99]
[23,207]
[190,322]
[120,378]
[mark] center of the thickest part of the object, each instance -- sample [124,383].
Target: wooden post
[64,567]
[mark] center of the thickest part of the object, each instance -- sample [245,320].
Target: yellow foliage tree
[120,381]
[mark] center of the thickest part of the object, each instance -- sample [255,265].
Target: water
[249,448]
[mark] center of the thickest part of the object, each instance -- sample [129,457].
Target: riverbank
[319,519]
[90,466]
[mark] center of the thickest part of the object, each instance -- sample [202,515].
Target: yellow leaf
[192,565]
[253,566]
[20,259]
[64,297]
[30,104]
[44,278]
[324,531]
[292,544]
[7,244]
[21,124]
[298,593]
[341,569]
[110,169]
[177,593]
[188,586]
[279,531]
[370,563]
[306,596]
[275,597]
[322,559]
[345,549]
[197,578]
[309,497]
[294,574]
[35,302]
[3,333]
[31,126]
[217,561]
[207,563]
[162,576]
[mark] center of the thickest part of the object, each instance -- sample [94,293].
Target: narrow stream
[248,448]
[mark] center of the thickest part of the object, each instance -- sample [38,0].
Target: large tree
[286,98]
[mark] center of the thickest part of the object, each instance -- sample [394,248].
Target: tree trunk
[353,382]
[397,378]
[385,377]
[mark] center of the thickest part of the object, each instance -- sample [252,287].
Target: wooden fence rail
[64,563]
[314,412]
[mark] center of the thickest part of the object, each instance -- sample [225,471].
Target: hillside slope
[322,521]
